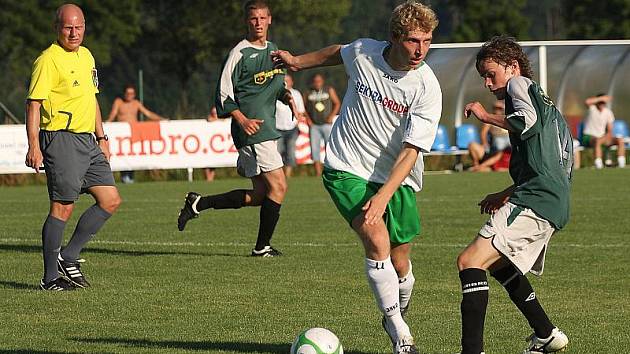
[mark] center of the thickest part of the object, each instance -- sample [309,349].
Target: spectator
[212,117]
[126,109]
[490,156]
[322,106]
[287,126]
[598,129]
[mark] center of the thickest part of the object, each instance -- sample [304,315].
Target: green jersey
[542,151]
[250,84]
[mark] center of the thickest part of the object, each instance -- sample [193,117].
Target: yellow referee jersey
[67,83]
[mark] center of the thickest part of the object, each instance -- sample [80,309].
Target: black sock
[89,223]
[230,200]
[473,307]
[269,215]
[524,297]
[52,235]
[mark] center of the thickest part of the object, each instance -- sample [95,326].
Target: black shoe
[72,271]
[187,212]
[59,284]
[268,251]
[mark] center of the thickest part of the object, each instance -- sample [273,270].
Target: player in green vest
[248,89]
[524,216]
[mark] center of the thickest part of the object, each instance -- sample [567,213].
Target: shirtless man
[127,108]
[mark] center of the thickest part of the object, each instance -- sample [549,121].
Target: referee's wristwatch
[104,137]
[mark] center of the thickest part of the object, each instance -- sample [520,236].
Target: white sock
[405,287]
[598,163]
[621,161]
[383,280]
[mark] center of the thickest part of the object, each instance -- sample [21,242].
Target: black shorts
[73,163]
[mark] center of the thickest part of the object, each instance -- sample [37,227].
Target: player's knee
[62,211]
[111,204]
[464,261]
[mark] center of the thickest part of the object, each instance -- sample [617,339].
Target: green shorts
[350,193]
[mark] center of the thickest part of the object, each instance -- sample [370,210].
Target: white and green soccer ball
[316,341]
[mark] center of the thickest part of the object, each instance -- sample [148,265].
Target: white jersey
[382,109]
[284,116]
[596,121]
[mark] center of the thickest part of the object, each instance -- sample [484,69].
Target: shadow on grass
[242,347]
[38,249]
[33,351]
[17,286]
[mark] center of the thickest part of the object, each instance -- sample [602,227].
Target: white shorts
[520,235]
[258,158]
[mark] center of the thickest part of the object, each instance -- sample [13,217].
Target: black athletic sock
[52,235]
[89,223]
[524,297]
[230,200]
[269,215]
[473,307]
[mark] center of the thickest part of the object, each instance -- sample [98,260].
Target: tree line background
[179,45]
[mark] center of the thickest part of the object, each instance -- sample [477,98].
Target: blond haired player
[374,165]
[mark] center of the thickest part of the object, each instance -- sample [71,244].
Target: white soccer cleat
[556,342]
[406,346]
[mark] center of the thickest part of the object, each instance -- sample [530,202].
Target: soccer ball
[316,341]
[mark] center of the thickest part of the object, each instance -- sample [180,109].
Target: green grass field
[157,290]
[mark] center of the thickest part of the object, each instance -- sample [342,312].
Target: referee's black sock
[269,215]
[524,297]
[52,234]
[230,200]
[474,303]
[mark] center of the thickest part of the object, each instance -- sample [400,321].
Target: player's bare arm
[34,157]
[250,125]
[484,116]
[99,132]
[375,207]
[327,56]
[494,201]
[287,99]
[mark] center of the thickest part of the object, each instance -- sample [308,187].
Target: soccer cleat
[406,345]
[188,211]
[268,251]
[556,342]
[72,271]
[59,284]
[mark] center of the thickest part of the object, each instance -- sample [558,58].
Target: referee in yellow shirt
[65,133]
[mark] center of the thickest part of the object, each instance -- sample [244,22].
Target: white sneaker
[556,342]
[406,346]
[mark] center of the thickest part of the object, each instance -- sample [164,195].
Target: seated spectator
[493,155]
[598,128]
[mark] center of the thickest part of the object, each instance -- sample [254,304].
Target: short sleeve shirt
[66,82]
[250,83]
[381,110]
[542,151]
[596,122]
